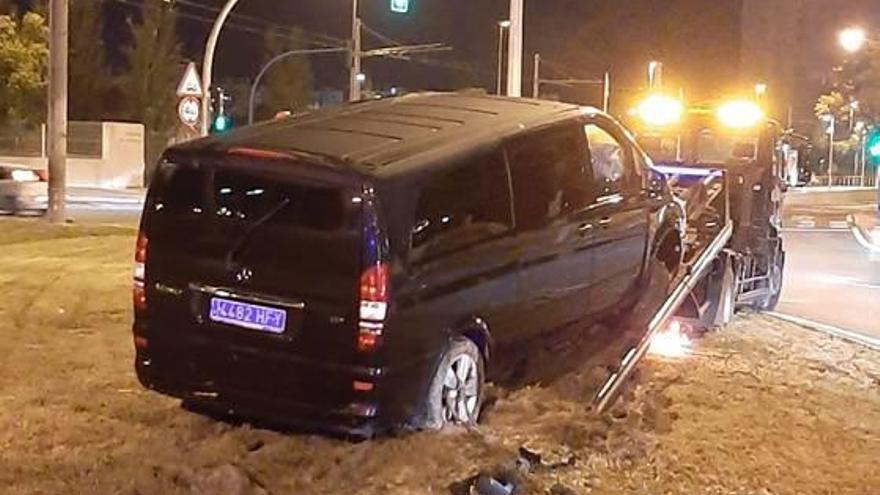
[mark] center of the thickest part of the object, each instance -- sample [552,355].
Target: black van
[370,266]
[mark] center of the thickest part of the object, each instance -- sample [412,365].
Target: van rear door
[252,271]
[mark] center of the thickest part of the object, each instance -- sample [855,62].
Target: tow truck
[725,164]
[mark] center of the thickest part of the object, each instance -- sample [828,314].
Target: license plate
[251,316]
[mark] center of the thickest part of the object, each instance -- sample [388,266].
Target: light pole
[211,46]
[273,61]
[502,26]
[831,120]
[208,63]
[515,49]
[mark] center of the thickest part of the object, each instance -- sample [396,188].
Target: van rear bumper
[355,414]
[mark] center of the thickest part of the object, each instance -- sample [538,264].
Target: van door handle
[585,228]
[605,222]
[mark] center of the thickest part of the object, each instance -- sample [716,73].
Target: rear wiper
[242,241]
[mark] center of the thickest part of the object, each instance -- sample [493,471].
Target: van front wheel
[456,393]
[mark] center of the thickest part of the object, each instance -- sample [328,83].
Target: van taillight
[139,292]
[373,306]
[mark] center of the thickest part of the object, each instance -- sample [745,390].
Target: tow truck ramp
[706,199]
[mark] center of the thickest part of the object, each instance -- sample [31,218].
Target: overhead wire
[274,29]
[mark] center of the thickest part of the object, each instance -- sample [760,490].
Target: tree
[88,73]
[288,83]
[24,53]
[829,104]
[154,67]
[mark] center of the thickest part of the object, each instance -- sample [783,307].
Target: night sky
[698,40]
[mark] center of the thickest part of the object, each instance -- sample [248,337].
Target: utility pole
[515,49]
[57,121]
[536,80]
[354,88]
[502,26]
[831,127]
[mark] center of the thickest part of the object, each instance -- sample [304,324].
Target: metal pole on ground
[515,49]
[354,83]
[536,79]
[57,112]
[606,92]
[502,25]
[831,150]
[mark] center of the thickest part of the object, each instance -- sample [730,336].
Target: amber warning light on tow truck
[739,114]
[660,110]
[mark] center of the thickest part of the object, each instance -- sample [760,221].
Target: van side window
[611,160]
[462,206]
[551,175]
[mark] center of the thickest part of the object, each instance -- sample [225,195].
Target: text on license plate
[246,315]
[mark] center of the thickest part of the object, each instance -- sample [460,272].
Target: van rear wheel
[458,386]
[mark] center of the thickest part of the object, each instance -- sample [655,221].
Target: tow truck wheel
[721,294]
[774,282]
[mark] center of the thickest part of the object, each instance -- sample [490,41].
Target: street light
[852,39]
[502,26]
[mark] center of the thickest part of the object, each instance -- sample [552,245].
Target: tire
[774,282]
[721,293]
[457,388]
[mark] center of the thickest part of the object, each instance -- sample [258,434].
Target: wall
[119,163]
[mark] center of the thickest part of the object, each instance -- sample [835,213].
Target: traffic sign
[189,110]
[191,84]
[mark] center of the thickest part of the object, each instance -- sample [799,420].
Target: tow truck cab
[751,156]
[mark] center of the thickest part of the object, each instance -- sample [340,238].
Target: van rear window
[238,196]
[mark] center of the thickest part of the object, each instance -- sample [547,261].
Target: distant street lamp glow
[504,24]
[740,114]
[361,77]
[760,89]
[852,39]
[660,110]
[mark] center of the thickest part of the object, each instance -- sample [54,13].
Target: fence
[869,180]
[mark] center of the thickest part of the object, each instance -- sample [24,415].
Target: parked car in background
[22,190]
[375,265]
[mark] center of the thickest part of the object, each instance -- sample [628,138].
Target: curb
[862,236]
[841,333]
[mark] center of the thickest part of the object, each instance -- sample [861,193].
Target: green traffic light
[400,6]
[872,144]
[222,123]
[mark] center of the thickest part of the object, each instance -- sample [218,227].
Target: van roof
[374,135]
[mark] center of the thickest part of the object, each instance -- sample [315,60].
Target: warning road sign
[191,84]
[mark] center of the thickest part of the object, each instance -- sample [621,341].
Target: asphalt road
[829,277]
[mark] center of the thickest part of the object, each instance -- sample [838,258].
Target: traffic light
[400,6]
[873,145]
[222,122]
